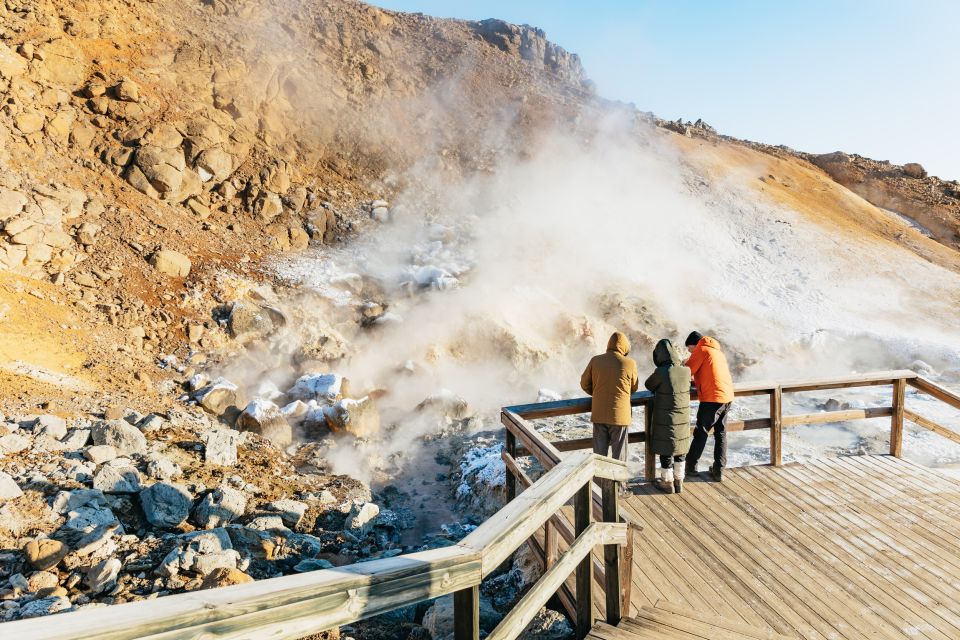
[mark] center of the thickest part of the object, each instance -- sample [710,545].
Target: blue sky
[875,77]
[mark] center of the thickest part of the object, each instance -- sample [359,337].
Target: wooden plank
[776,427]
[510,448]
[466,613]
[932,388]
[837,416]
[783,518]
[627,564]
[289,606]
[501,534]
[517,619]
[896,420]
[536,444]
[930,425]
[872,379]
[582,509]
[760,633]
[611,555]
[819,601]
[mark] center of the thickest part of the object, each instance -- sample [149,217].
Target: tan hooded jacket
[610,378]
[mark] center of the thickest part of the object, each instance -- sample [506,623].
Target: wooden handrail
[295,606]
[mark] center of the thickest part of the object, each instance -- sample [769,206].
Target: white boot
[665,480]
[679,472]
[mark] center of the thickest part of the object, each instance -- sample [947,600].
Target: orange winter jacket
[710,372]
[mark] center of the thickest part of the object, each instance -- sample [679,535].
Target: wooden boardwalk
[856,547]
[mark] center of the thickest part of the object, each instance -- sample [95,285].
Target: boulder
[102,576]
[121,435]
[13,443]
[360,518]
[53,426]
[438,619]
[10,63]
[117,476]
[268,206]
[219,507]
[100,453]
[163,169]
[200,552]
[127,90]
[76,439]
[221,447]
[324,387]
[215,164]
[248,321]
[547,625]
[162,468]
[221,398]
[290,511]
[95,539]
[224,577]
[915,170]
[44,607]
[9,489]
[11,202]
[172,263]
[166,505]
[265,418]
[356,417]
[29,122]
[45,553]
[40,580]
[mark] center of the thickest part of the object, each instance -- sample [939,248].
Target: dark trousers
[610,440]
[667,461]
[710,416]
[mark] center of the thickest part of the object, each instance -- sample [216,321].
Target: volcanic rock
[166,505]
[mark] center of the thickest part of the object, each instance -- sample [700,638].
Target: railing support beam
[896,422]
[611,554]
[511,447]
[466,613]
[582,504]
[649,462]
[776,427]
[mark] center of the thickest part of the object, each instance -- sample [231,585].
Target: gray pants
[610,440]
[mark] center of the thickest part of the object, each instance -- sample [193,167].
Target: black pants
[710,415]
[667,461]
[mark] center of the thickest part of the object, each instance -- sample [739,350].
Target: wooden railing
[295,606]
[523,439]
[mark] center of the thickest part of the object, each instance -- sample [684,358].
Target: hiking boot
[716,472]
[664,481]
[679,472]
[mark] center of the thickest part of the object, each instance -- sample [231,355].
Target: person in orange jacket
[711,374]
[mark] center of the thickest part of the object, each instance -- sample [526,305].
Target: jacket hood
[710,343]
[664,354]
[619,343]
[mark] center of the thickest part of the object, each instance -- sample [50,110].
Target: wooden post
[550,548]
[776,427]
[649,463]
[511,446]
[611,554]
[582,508]
[896,423]
[628,571]
[466,614]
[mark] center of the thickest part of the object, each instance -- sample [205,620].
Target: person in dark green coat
[670,384]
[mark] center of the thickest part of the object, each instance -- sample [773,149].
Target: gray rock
[290,511]
[102,576]
[9,489]
[53,426]
[438,619]
[100,453]
[88,518]
[117,476]
[76,439]
[13,443]
[126,438]
[360,518]
[44,607]
[152,422]
[274,524]
[250,321]
[222,398]
[162,468]
[312,564]
[95,539]
[166,505]
[66,501]
[219,507]
[548,625]
[200,552]
[221,447]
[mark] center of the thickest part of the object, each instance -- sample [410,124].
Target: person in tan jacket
[610,378]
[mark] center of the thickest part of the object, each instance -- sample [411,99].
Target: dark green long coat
[670,384]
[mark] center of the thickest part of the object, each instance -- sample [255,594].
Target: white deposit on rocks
[52,426]
[325,387]
[121,435]
[166,505]
[265,418]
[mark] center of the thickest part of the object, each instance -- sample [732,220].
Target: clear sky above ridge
[876,77]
